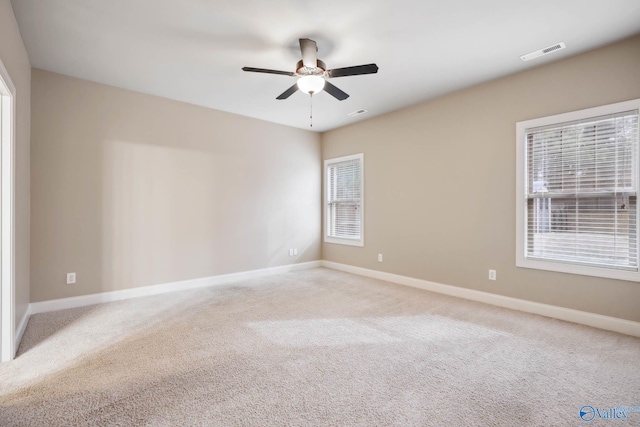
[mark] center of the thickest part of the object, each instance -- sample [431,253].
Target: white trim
[521,185]
[84,300]
[348,242]
[7,215]
[337,240]
[22,327]
[608,323]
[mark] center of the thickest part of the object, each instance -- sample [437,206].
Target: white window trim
[327,238]
[521,183]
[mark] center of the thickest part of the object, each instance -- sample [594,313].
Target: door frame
[7,215]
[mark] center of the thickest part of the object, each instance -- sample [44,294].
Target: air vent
[356,113]
[542,52]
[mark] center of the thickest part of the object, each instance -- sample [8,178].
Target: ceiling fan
[313,73]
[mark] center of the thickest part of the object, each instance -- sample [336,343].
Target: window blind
[344,199]
[581,191]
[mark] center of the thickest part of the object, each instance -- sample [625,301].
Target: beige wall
[440,182]
[15,59]
[131,190]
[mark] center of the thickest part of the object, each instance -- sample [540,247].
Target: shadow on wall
[179,213]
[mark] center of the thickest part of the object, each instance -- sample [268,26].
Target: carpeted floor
[314,348]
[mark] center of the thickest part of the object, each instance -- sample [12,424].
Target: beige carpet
[314,348]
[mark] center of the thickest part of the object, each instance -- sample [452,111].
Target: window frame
[521,200]
[338,240]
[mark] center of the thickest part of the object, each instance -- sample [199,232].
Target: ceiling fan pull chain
[311,110]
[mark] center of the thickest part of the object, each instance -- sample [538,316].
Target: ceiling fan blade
[353,71]
[309,51]
[264,70]
[287,93]
[335,92]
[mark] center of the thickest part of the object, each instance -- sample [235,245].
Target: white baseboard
[21,328]
[582,317]
[84,300]
[615,324]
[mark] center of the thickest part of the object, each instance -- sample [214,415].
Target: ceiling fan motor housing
[319,70]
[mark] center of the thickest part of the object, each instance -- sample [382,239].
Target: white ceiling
[193,50]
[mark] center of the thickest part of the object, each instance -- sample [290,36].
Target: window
[577,188]
[344,215]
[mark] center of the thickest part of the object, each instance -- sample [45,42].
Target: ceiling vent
[542,52]
[356,113]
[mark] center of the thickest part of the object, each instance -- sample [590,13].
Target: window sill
[347,242]
[583,270]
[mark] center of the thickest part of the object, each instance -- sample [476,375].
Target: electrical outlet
[379,257]
[492,275]
[295,251]
[71,278]
[290,252]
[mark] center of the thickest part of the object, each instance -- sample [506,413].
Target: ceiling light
[311,84]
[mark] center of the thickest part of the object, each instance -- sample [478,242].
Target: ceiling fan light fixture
[311,73]
[311,84]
